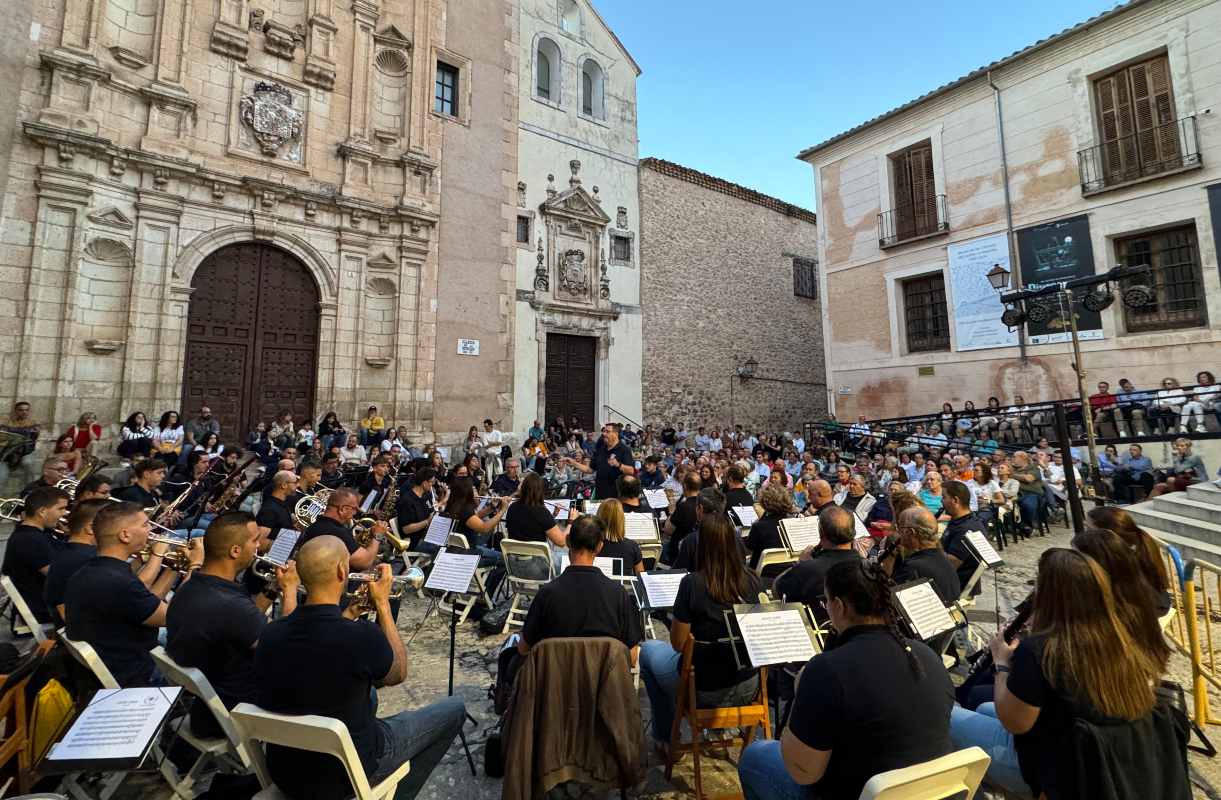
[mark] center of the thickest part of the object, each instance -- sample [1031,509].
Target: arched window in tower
[547,70]
[570,17]
[593,87]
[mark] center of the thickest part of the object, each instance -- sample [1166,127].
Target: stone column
[157,314]
[173,29]
[81,19]
[366,13]
[423,75]
[328,313]
[412,260]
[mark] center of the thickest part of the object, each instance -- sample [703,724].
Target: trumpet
[265,568]
[10,508]
[412,579]
[309,507]
[177,558]
[68,485]
[362,530]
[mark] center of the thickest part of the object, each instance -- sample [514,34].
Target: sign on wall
[1052,253]
[977,306]
[468,347]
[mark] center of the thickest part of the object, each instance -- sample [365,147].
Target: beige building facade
[1111,155]
[265,206]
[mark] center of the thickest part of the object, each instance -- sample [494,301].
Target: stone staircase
[1190,521]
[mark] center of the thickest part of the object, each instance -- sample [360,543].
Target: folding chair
[745,718]
[38,629]
[14,716]
[84,653]
[465,603]
[523,587]
[324,735]
[774,557]
[954,775]
[229,752]
[650,553]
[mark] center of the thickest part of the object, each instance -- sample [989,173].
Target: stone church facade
[265,206]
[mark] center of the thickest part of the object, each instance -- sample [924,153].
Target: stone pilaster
[231,32]
[157,315]
[347,367]
[320,45]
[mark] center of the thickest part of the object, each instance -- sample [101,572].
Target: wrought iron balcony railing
[1169,147]
[912,221]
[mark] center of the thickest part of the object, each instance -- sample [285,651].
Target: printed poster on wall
[1052,253]
[977,306]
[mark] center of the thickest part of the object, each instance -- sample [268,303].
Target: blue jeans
[981,728]
[1028,502]
[763,775]
[659,665]
[421,736]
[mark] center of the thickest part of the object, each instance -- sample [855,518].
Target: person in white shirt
[859,433]
[748,444]
[1168,405]
[680,438]
[715,443]
[702,440]
[799,444]
[490,442]
[1017,420]
[354,453]
[1205,397]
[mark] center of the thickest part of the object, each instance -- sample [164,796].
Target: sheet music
[117,724]
[776,637]
[861,531]
[657,498]
[591,507]
[984,549]
[282,548]
[369,500]
[611,567]
[639,527]
[924,610]
[439,530]
[746,515]
[452,572]
[801,533]
[661,587]
[558,508]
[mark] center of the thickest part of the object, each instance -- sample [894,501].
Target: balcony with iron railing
[911,221]
[1165,149]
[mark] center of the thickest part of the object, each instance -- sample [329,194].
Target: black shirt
[683,520]
[604,474]
[135,493]
[325,526]
[763,534]
[954,542]
[625,549]
[315,661]
[804,582]
[29,549]
[274,514]
[528,523]
[1037,748]
[412,509]
[651,480]
[738,497]
[331,480]
[668,436]
[31,486]
[213,624]
[64,564]
[930,563]
[106,605]
[864,691]
[582,601]
[713,660]
[504,485]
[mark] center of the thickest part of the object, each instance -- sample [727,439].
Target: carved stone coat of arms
[574,277]
[268,112]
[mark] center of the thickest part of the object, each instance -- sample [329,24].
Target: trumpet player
[80,548]
[277,510]
[54,470]
[336,520]
[109,607]
[32,546]
[95,487]
[213,623]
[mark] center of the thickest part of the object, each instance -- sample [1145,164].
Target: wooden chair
[954,775]
[745,718]
[14,713]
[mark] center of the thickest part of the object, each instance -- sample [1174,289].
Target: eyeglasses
[346,507]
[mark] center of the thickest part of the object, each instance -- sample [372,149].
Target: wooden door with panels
[570,378]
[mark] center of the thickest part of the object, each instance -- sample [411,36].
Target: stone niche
[572,261]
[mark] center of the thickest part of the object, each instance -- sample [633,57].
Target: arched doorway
[252,338]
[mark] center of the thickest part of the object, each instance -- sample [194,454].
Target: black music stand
[987,555]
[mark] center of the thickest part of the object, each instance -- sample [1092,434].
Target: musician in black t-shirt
[80,547]
[683,521]
[336,520]
[805,581]
[318,661]
[414,507]
[611,459]
[874,702]
[922,556]
[736,493]
[956,501]
[276,513]
[33,545]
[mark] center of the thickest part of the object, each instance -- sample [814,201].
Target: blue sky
[738,89]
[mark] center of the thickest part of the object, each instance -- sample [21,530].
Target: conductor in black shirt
[804,582]
[922,556]
[275,512]
[318,661]
[612,458]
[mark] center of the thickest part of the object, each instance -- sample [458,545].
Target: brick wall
[716,288]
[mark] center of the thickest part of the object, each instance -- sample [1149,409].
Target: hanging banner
[1052,253]
[977,306]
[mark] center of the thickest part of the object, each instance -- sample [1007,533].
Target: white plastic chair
[324,735]
[89,659]
[948,776]
[522,587]
[38,629]
[231,750]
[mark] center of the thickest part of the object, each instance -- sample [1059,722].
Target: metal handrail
[913,220]
[1163,148]
[625,416]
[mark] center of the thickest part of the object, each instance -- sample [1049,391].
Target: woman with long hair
[85,432]
[708,476]
[475,523]
[168,438]
[1148,554]
[529,519]
[65,448]
[1079,659]
[136,437]
[330,429]
[703,596]
[616,544]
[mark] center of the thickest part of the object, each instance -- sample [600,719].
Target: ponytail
[865,588]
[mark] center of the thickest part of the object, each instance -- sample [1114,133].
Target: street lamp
[998,276]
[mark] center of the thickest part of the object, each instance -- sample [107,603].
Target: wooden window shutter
[904,222]
[1162,111]
[924,203]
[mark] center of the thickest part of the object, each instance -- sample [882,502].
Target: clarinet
[983,666]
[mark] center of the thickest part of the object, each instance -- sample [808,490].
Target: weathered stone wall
[716,290]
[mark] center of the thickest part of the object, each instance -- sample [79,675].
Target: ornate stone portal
[575,261]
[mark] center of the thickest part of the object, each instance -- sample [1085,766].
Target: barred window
[1175,277]
[924,313]
[621,249]
[523,229]
[805,278]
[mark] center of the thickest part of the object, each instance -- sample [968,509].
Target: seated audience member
[80,548]
[1143,546]
[1030,489]
[703,596]
[711,503]
[615,543]
[957,504]
[856,493]
[931,494]
[317,661]
[1133,469]
[506,483]
[582,601]
[873,687]
[110,607]
[1185,469]
[683,521]
[803,583]
[921,555]
[777,504]
[213,623]
[1078,662]
[33,545]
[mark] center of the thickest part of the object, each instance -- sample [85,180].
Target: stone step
[1189,548]
[1183,505]
[1148,517]
[1205,493]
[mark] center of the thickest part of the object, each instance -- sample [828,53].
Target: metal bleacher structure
[1190,521]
